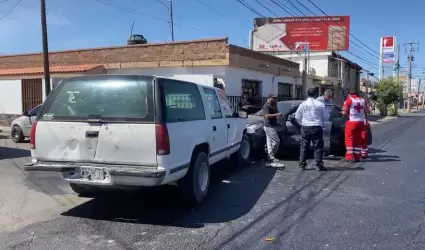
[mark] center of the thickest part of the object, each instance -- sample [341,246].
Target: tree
[387,94]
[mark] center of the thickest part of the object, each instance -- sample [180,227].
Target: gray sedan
[289,129]
[21,126]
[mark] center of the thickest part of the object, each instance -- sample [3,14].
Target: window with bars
[250,87]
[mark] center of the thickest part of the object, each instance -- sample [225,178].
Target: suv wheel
[243,155]
[194,186]
[16,134]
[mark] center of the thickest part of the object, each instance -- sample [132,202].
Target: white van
[133,130]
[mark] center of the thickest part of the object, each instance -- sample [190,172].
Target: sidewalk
[4,129]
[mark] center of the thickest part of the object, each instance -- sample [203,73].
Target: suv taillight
[32,134]
[162,139]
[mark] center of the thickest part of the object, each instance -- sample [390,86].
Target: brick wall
[212,49]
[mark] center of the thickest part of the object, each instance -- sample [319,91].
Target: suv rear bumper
[116,175]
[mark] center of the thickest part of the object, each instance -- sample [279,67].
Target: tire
[242,156]
[16,134]
[85,191]
[190,187]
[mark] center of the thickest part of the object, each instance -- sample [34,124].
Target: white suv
[132,130]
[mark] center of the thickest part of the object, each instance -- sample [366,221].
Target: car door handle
[214,128]
[228,126]
[92,134]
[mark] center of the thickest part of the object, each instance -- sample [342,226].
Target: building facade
[327,69]
[240,70]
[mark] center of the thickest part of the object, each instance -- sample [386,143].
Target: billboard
[387,49]
[286,34]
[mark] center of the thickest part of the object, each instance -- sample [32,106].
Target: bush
[387,94]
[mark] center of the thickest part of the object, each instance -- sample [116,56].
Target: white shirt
[312,113]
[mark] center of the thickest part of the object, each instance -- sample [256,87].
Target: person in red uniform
[354,109]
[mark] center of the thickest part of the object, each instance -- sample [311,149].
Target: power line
[11,9]
[128,10]
[293,5]
[265,7]
[284,7]
[315,5]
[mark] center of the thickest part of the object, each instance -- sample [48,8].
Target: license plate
[93,174]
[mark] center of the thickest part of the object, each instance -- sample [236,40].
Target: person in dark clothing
[249,104]
[270,122]
[312,114]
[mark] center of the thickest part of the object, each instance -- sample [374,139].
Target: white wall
[10,97]
[171,71]
[318,62]
[232,77]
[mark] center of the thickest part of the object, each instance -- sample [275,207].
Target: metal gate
[32,93]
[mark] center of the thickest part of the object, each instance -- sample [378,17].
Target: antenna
[131,31]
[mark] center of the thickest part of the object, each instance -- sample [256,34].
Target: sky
[96,23]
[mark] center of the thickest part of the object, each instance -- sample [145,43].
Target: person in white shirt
[312,114]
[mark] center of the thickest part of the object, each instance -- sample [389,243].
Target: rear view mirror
[241,114]
[26,113]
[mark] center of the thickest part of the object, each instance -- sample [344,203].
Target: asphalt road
[376,204]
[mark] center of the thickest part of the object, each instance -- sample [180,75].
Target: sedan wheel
[16,134]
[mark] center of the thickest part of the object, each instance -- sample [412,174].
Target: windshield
[282,107]
[109,98]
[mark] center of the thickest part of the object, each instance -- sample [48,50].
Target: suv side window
[182,101]
[213,103]
[227,107]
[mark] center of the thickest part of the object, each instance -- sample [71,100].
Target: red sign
[388,42]
[296,33]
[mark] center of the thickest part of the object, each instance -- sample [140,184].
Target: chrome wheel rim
[245,149]
[15,134]
[203,177]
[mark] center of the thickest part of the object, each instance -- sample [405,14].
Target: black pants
[311,134]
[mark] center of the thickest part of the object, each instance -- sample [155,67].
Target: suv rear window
[108,98]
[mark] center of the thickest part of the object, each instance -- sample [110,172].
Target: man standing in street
[355,109]
[270,122]
[326,98]
[312,114]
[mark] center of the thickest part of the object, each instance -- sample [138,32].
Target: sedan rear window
[107,98]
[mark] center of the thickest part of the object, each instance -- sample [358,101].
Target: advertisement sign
[388,49]
[286,34]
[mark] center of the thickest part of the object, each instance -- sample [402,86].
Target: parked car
[113,131]
[21,126]
[289,129]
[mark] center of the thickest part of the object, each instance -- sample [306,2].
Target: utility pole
[397,70]
[367,85]
[305,75]
[47,86]
[171,19]
[412,49]
[419,87]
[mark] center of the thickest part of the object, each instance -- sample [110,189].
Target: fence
[235,100]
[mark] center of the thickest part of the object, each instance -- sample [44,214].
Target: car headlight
[252,128]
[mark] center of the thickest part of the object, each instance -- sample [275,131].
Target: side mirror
[26,113]
[241,114]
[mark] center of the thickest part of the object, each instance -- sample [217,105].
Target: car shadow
[11,153]
[382,158]
[376,151]
[374,118]
[233,193]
